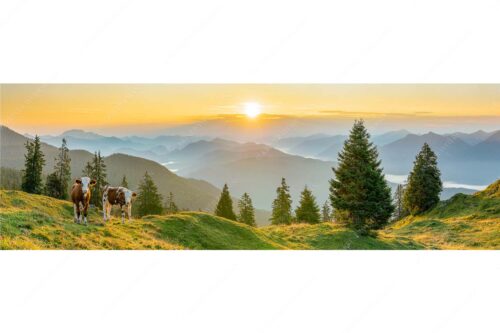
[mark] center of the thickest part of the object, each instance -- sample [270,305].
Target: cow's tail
[105,189]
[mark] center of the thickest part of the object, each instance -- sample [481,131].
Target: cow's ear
[78,181]
[92,182]
[134,194]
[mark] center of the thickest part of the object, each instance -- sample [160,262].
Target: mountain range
[253,168]
[151,148]
[257,168]
[472,158]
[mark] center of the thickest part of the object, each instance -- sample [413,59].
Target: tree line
[360,197]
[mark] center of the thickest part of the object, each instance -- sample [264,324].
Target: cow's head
[129,196]
[87,184]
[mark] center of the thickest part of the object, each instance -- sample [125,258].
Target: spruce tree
[399,211]
[33,166]
[99,175]
[308,210]
[326,212]
[282,205]
[149,200]
[87,170]
[124,182]
[359,193]
[170,206]
[424,183]
[53,186]
[225,205]
[246,210]
[62,170]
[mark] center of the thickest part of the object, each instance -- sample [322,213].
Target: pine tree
[53,186]
[308,210]
[247,212]
[225,206]
[62,170]
[87,170]
[170,206]
[148,200]
[282,205]
[326,212]
[124,182]
[99,175]
[33,166]
[424,183]
[399,211]
[359,192]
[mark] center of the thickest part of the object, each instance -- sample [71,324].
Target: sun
[252,109]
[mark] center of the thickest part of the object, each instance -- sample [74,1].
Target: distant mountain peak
[80,134]
[432,134]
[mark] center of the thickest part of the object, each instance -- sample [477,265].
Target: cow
[117,196]
[80,194]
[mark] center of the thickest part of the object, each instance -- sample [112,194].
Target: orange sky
[60,107]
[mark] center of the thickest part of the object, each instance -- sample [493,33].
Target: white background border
[396,41]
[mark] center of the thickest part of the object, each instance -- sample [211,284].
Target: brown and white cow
[117,196]
[80,194]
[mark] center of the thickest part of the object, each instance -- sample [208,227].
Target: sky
[139,108]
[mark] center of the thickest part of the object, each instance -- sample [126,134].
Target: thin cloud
[356,114]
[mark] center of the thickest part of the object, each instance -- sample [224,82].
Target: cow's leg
[123,213]
[129,211]
[85,214]
[75,214]
[80,212]
[105,207]
[108,210]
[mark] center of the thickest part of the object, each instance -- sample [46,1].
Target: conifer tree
[424,183]
[99,175]
[308,210]
[399,211]
[124,182]
[282,205]
[33,166]
[359,193]
[62,170]
[326,212]
[149,200]
[247,212]
[87,170]
[225,205]
[53,186]
[170,206]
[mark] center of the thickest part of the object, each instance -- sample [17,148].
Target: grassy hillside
[462,222]
[37,222]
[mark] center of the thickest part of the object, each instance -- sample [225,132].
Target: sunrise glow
[52,109]
[252,109]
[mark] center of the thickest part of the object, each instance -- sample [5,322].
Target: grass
[204,231]
[328,236]
[30,221]
[462,222]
